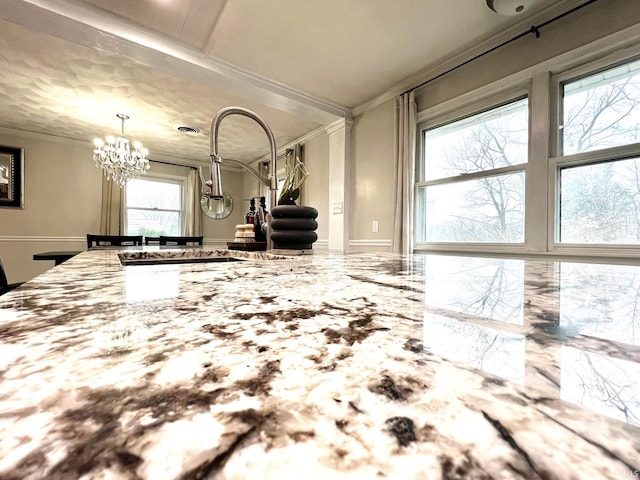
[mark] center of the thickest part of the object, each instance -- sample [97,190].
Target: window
[598,166]
[153,207]
[471,180]
[548,163]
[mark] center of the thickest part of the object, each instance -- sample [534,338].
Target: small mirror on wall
[217,208]
[11,177]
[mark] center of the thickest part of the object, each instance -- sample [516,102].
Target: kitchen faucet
[212,188]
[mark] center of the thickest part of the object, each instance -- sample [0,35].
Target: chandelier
[117,159]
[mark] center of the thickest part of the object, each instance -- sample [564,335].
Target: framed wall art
[11,177]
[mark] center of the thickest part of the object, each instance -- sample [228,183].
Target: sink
[170,261]
[180,256]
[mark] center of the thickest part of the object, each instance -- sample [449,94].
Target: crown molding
[341,124]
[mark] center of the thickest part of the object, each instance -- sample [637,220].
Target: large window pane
[494,139]
[489,209]
[153,194]
[602,110]
[153,207]
[152,222]
[600,203]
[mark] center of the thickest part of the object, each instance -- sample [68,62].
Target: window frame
[558,161]
[457,111]
[162,178]
[541,196]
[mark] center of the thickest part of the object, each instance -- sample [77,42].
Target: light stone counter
[333,366]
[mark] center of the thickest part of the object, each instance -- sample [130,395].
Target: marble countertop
[329,365]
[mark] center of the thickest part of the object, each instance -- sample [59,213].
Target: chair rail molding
[35,238]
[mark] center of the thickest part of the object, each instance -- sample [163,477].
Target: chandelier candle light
[117,159]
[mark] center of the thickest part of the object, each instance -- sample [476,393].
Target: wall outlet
[337,208]
[374,226]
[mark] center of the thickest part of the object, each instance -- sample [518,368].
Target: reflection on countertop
[333,365]
[570,329]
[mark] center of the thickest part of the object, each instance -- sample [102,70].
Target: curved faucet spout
[213,187]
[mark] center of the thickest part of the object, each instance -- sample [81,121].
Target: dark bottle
[250,217]
[261,218]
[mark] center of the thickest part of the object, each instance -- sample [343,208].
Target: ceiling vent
[511,8]
[188,130]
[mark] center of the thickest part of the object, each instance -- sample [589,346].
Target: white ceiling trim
[439,68]
[94,28]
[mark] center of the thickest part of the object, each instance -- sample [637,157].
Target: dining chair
[112,240]
[5,286]
[164,240]
[151,240]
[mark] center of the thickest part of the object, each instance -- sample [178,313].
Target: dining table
[56,256]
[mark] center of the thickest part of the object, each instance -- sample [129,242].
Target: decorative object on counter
[212,188]
[293,226]
[245,233]
[261,220]
[218,207]
[295,176]
[250,217]
[245,239]
[117,159]
[257,218]
[11,177]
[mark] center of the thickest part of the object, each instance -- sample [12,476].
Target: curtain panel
[405,143]
[192,217]
[111,214]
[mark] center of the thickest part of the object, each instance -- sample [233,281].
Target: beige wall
[315,192]
[62,203]
[62,193]
[373,178]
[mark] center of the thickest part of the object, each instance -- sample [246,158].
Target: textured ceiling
[68,66]
[75,92]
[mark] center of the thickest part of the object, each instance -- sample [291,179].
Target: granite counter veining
[332,365]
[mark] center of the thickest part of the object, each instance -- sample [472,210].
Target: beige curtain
[405,140]
[192,218]
[111,219]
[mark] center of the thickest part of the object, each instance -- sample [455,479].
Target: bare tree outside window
[489,207]
[600,202]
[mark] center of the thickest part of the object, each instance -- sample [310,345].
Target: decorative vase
[293,227]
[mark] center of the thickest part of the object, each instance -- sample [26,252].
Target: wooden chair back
[112,240]
[165,240]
